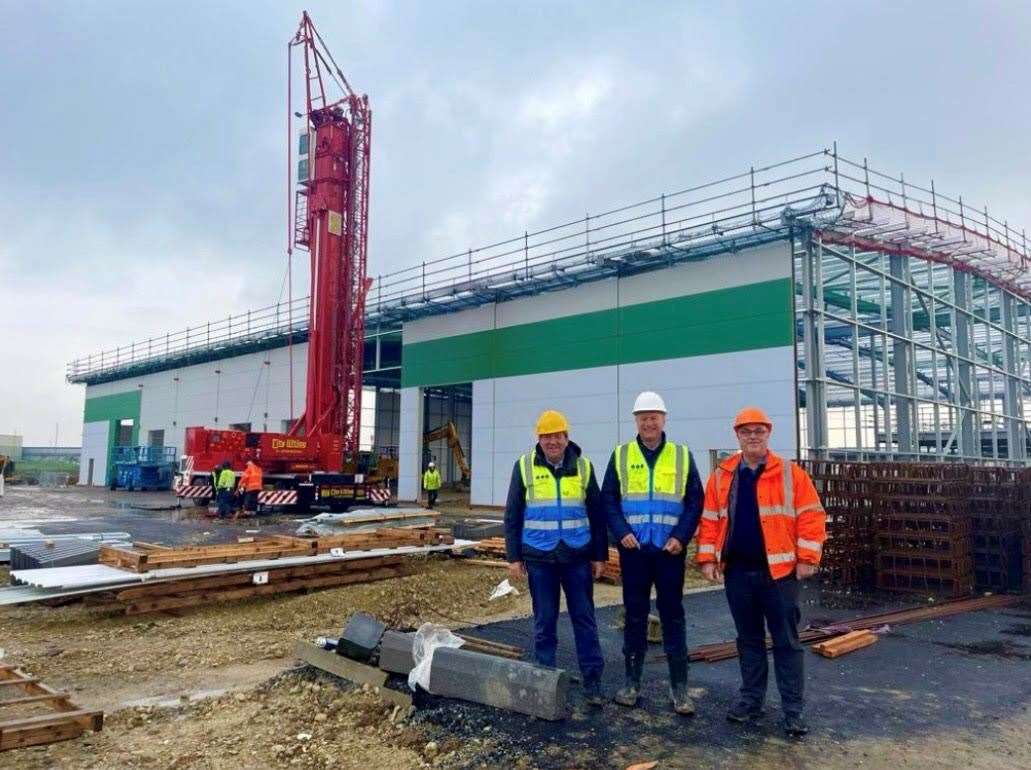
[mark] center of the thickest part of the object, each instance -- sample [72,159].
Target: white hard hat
[649,401]
[432,464]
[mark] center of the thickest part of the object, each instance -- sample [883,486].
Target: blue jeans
[225,503]
[546,578]
[643,568]
[755,600]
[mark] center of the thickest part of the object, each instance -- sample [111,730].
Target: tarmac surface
[962,672]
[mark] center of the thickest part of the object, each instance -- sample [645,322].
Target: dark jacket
[515,508]
[694,498]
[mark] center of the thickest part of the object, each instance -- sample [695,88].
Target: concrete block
[361,636]
[395,652]
[500,682]
[339,665]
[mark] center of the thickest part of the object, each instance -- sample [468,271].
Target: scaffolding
[913,310]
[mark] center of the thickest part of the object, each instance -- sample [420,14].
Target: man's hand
[673,546]
[629,541]
[517,570]
[803,570]
[711,572]
[597,567]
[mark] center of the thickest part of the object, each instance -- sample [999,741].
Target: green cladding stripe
[111,409]
[750,317]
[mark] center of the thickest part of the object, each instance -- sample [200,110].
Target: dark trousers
[641,570]
[225,503]
[250,500]
[757,600]
[432,493]
[546,578]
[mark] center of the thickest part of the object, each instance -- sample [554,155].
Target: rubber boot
[628,694]
[592,691]
[682,703]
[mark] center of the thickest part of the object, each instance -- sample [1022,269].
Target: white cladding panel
[94,448]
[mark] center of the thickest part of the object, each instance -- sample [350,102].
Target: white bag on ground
[429,637]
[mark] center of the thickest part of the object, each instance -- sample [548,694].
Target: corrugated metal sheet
[56,553]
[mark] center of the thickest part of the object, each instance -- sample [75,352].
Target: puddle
[170,701]
[1001,648]
[1021,629]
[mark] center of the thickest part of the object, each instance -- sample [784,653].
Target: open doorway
[447,439]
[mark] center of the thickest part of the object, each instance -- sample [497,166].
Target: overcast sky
[142,148]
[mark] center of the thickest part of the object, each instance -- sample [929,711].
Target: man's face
[754,439]
[554,445]
[650,425]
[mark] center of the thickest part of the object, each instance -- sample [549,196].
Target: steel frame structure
[913,309]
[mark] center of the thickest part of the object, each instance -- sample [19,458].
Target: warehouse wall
[711,336]
[216,394]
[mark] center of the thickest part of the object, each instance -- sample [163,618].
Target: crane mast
[331,221]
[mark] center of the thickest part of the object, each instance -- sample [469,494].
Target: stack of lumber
[32,714]
[146,577]
[495,546]
[846,643]
[713,653]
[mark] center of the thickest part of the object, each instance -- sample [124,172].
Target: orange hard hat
[752,415]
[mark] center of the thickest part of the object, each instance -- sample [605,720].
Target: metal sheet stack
[55,553]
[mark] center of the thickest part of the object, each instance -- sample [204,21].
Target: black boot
[592,691]
[682,703]
[628,694]
[795,726]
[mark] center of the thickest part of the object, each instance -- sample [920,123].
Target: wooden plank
[82,717]
[343,667]
[21,737]
[484,562]
[18,682]
[207,597]
[191,585]
[57,696]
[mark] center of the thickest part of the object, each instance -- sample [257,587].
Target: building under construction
[871,318]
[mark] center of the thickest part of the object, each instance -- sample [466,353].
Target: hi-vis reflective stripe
[528,476]
[776,510]
[711,515]
[707,549]
[550,525]
[810,507]
[644,518]
[789,486]
[812,545]
[780,558]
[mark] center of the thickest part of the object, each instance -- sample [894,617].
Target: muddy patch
[1000,648]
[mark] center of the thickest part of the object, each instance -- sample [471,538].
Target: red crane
[331,221]
[318,459]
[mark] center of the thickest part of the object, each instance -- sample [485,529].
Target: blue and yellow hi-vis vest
[653,498]
[556,508]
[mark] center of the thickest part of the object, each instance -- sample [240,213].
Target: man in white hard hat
[431,482]
[653,498]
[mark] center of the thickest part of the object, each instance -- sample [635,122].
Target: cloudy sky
[142,150]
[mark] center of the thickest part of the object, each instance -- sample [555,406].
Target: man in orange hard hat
[555,538]
[762,531]
[251,483]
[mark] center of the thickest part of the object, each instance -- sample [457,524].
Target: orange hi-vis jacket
[790,514]
[250,479]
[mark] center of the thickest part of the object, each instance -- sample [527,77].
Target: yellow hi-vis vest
[431,480]
[556,508]
[652,498]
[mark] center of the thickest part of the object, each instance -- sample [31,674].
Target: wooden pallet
[495,546]
[145,557]
[196,592]
[22,697]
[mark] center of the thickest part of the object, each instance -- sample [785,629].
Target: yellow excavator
[450,432]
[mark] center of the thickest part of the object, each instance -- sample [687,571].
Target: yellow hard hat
[551,421]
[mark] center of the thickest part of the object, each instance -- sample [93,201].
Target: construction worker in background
[224,490]
[762,532]
[653,497]
[251,483]
[431,482]
[555,538]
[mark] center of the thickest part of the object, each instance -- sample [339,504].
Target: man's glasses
[749,432]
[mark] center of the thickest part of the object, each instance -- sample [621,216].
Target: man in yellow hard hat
[653,498]
[555,537]
[762,532]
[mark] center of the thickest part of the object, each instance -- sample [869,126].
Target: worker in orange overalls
[762,531]
[250,484]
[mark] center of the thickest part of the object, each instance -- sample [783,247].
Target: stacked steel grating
[926,527]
